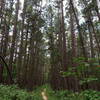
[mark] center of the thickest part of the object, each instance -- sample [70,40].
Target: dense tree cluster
[40,43]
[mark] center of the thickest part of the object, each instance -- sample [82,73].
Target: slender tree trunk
[64,37]
[25,59]
[91,39]
[20,55]
[12,49]
[73,38]
[2,32]
[73,80]
[80,32]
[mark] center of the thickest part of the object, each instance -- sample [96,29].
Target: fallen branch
[8,71]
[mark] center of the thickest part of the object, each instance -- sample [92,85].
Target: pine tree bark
[21,48]
[64,37]
[80,32]
[12,49]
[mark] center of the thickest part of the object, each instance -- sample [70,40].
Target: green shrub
[13,93]
[85,72]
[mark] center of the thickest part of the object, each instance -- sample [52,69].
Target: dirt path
[44,96]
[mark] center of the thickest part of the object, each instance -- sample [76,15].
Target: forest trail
[44,96]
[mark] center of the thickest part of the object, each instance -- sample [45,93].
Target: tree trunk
[15,30]
[80,32]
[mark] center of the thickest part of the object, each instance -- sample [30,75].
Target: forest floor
[45,92]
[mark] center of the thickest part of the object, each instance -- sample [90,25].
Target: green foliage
[88,80]
[84,95]
[63,94]
[90,95]
[14,93]
[86,72]
[68,73]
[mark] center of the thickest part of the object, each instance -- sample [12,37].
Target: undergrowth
[14,93]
